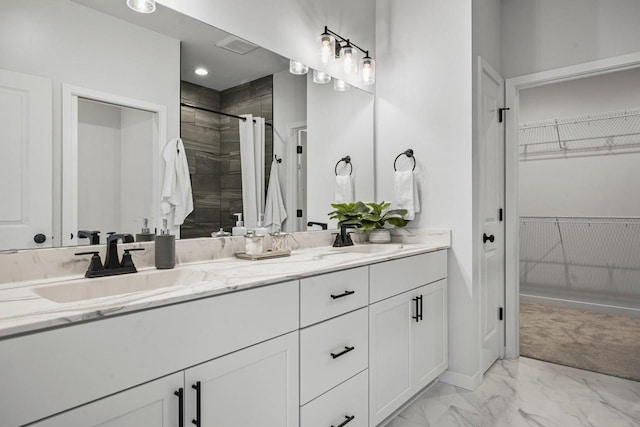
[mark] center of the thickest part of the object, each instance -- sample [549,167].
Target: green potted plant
[348,212]
[377,216]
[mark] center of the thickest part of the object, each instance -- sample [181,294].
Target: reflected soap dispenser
[239,229]
[261,230]
[165,248]
[145,234]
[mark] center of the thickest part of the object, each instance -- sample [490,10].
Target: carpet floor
[584,339]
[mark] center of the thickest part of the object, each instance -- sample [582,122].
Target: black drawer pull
[198,388]
[345,422]
[345,351]
[343,295]
[417,301]
[180,394]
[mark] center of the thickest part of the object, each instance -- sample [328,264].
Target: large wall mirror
[91,93]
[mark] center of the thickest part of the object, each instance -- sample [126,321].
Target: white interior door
[25,163]
[491,196]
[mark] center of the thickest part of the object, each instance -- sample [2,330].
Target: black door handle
[180,394]
[342,294]
[345,422]
[343,352]
[490,238]
[198,388]
[39,238]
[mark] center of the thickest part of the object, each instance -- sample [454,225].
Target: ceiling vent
[236,45]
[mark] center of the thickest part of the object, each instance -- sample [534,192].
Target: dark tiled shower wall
[212,144]
[254,98]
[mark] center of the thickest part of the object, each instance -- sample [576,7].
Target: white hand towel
[344,189]
[274,210]
[176,187]
[406,193]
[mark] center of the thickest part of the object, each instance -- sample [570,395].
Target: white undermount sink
[85,289]
[370,248]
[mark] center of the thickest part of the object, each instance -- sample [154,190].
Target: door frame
[291,179]
[512,225]
[70,97]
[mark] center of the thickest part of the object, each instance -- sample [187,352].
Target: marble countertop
[22,310]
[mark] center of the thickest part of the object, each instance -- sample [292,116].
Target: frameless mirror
[98,90]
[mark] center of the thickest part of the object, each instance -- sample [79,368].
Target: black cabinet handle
[345,422]
[343,352]
[418,301]
[343,294]
[180,394]
[420,314]
[490,238]
[198,388]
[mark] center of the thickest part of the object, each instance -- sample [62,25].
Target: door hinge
[299,149]
[501,114]
[500,214]
[500,313]
[299,213]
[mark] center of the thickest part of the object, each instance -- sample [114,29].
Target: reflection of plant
[379,214]
[370,215]
[348,212]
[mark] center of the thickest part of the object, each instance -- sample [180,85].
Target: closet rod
[183,104]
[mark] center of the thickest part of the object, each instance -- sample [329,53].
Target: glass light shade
[349,59]
[327,48]
[320,77]
[340,85]
[368,70]
[297,67]
[142,6]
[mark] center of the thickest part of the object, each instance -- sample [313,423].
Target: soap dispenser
[261,230]
[165,248]
[239,229]
[145,235]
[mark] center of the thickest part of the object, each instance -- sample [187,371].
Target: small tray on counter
[265,255]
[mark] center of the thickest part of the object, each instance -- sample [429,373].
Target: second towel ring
[408,153]
[347,160]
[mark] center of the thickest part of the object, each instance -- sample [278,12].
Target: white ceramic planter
[379,235]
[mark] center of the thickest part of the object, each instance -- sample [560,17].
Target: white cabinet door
[408,346]
[150,405]
[25,163]
[428,335]
[257,386]
[389,355]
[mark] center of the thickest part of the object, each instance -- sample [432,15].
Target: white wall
[288,27]
[289,107]
[602,185]
[546,34]
[339,124]
[424,102]
[70,43]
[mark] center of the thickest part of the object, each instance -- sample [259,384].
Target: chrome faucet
[343,238]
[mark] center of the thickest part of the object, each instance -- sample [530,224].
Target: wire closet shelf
[587,135]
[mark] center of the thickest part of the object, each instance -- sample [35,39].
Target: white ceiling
[226,69]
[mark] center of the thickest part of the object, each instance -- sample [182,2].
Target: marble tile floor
[528,392]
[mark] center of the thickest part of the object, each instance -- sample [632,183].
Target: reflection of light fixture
[297,67]
[201,71]
[368,70]
[142,6]
[340,85]
[320,77]
[347,52]
[327,48]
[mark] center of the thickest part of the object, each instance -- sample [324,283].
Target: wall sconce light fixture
[320,77]
[142,6]
[334,46]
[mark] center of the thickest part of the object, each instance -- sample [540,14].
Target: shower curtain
[252,165]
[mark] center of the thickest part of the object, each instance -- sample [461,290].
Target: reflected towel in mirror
[274,210]
[176,187]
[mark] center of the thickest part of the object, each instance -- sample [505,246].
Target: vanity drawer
[332,352]
[349,399]
[333,294]
[400,275]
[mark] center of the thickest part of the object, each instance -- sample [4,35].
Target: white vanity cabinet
[407,332]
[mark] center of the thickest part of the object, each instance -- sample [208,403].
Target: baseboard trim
[468,382]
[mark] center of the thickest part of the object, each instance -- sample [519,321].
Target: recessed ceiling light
[201,71]
[142,6]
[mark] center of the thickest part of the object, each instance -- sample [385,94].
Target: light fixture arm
[341,39]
